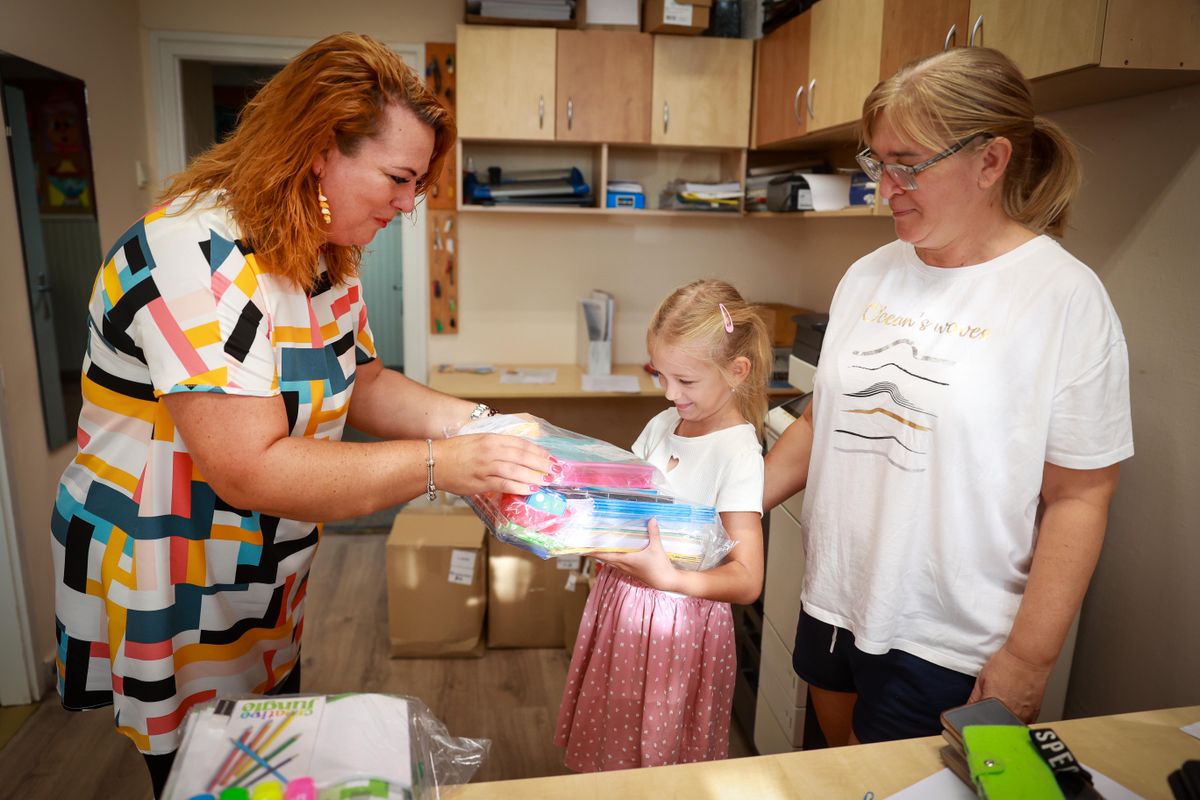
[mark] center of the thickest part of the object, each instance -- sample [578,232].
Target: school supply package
[599,501]
[319,747]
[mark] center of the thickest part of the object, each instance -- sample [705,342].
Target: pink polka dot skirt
[651,679]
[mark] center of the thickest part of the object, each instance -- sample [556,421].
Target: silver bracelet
[429,463]
[481,410]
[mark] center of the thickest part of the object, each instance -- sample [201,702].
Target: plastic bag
[360,745]
[599,502]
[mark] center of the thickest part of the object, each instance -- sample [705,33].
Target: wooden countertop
[1136,750]
[568,385]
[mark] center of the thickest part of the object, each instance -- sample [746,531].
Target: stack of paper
[757,179]
[694,195]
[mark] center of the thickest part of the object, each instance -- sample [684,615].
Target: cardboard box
[676,16]
[436,581]
[609,15]
[525,598]
[778,318]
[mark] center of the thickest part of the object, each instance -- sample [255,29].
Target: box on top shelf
[689,17]
[609,15]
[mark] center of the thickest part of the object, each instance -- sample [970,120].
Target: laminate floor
[508,696]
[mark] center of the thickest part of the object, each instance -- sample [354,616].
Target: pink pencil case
[605,474]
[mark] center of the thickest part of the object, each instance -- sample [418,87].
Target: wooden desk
[616,417]
[1136,750]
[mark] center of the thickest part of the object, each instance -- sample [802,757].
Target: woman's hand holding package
[490,462]
[1017,682]
[650,565]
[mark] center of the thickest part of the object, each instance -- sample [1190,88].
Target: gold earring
[324,201]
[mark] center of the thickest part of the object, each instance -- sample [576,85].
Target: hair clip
[725,316]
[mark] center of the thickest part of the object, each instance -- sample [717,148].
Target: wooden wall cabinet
[847,38]
[914,29]
[604,86]
[506,82]
[781,113]
[1042,38]
[701,91]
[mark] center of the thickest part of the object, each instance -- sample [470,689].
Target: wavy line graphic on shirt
[884,456]
[891,414]
[880,439]
[902,369]
[893,391]
[910,343]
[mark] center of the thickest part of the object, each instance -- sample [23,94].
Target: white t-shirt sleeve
[1090,424]
[741,487]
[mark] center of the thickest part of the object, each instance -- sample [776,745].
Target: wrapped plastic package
[600,501]
[324,747]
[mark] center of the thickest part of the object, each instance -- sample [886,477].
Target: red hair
[335,92]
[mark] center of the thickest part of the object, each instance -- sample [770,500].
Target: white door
[382,276]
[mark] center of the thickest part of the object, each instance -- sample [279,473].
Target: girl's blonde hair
[967,91]
[335,92]
[691,318]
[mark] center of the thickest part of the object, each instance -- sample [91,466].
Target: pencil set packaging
[600,500]
[323,747]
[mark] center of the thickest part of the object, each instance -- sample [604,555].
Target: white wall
[1138,226]
[98,43]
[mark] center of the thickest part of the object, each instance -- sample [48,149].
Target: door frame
[19,684]
[169,48]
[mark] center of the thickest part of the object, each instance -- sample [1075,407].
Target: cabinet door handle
[976,29]
[951,36]
[570,114]
[541,111]
[811,86]
[666,116]
[796,104]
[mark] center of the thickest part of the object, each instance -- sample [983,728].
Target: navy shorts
[900,696]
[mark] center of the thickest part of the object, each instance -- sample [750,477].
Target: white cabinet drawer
[785,573]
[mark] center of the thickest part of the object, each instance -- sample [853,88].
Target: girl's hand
[650,565]
[484,462]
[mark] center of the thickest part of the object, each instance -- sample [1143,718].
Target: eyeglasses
[905,176]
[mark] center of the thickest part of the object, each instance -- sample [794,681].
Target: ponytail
[1040,195]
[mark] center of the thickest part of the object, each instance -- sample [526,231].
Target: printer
[806,349]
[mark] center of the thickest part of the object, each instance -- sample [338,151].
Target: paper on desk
[945,785]
[829,192]
[529,375]
[611,383]
[1193,729]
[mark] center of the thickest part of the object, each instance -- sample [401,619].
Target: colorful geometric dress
[166,595]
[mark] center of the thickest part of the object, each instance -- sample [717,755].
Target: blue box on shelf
[625,200]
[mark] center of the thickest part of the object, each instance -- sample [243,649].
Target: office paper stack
[539,10]
[595,350]
[697,196]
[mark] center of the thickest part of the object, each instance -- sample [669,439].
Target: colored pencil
[228,760]
[241,779]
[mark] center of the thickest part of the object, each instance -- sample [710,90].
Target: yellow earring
[324,201]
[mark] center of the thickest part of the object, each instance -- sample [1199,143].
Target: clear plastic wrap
[599,501]
[360,745]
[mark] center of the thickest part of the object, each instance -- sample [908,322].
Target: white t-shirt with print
[723,468]
[940,395]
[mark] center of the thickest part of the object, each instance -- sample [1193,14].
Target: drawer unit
[784,692]
[785,570]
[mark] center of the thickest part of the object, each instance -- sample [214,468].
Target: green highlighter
[1004,764]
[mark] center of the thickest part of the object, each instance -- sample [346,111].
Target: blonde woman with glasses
[970,412]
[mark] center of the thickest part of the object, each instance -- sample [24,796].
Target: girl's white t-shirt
[939,396]
[723,469]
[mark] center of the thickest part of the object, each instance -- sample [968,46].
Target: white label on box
[569,562]
[462,567]
[571,579]
[677,13]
